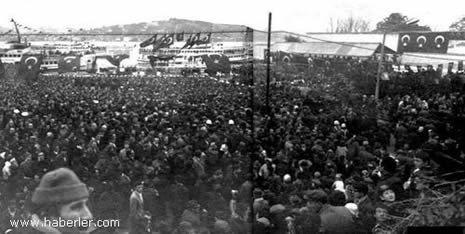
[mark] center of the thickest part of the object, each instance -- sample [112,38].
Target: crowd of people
[323,158]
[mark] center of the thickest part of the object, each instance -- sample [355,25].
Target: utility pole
[268,61]
[380,66]
[381,60]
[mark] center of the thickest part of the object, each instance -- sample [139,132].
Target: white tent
[422,59]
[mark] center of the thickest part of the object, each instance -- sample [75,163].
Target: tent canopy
[422,59]
[334,49]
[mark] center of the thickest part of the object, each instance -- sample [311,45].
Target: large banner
[430,42]
[29,67]
[69,63]
[283,57]
[217,63]
[424,42]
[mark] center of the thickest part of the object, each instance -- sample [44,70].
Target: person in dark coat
[11,213]
[390,176]
[334,219]
[365,206]
[60,196]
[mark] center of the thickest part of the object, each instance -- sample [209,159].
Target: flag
[169,40]
[217,63]
[284,57]
[191,41]
[426,42]
[120,58]
[29,67]
[159,43]
[204,40]
[69,63]
[149,41]
[194,40]
[2,70]
[180,36]
[115,60]
[188,41]
[249,35]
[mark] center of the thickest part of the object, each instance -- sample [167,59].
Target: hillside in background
[184,25]
[164,26]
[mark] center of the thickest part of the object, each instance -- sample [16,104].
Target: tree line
[395,22]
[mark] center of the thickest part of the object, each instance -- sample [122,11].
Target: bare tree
[331,25]
[348,25]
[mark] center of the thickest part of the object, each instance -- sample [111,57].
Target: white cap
[336,122]
[287,177]
[209,122]
[223,148]
[343,125]
[339,185]
[231,122]
[352,207]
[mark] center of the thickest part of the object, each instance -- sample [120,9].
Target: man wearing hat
[59,198]
[10,213]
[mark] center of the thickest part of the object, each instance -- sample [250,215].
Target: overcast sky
[292,15]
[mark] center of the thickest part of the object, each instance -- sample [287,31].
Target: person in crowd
[193,138]
[138,218]
[334,219]
[365,206]
[59,196]
[383,221]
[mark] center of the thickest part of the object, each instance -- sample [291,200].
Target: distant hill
[165,26]
[184,25]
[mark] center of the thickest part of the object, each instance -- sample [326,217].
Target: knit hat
[60,185]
